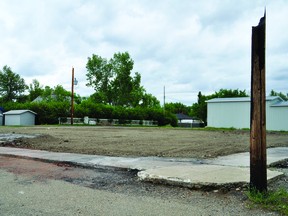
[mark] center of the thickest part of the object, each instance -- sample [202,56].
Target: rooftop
[18,112]
[240,99]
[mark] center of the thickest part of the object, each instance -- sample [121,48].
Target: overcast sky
[185,45]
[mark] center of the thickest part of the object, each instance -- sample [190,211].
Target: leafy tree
[35,90]
[60,94]
[227,93]
[11,85]
[148,100]
[99,76]
[177,108]
[199,109]
[113,82]
[280,94]
[124,85]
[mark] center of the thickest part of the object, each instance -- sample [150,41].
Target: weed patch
[272,200]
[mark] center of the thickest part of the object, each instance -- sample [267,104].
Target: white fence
[106,122]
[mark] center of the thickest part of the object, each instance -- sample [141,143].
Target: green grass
[271,200]
[217,129]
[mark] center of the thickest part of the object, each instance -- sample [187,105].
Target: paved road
[36,188]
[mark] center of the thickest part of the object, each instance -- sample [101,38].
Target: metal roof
[240,99]
[18,112]
[183,116]
[281,104]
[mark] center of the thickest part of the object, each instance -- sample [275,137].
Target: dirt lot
[125,141]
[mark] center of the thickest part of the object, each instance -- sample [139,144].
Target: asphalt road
[30,187]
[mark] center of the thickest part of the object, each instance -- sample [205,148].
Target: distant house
[19,117]
[235,112]
[187,121]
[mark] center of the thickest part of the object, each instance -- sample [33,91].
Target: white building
[235,112]
[19,117]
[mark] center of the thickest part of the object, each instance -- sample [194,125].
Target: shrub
[49,112]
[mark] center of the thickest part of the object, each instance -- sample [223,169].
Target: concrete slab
[140,163]
[202,175]
[223,171]
[243,159]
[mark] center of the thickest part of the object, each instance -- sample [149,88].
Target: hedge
[49,112]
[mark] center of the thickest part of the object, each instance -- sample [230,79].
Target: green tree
[35,90]
[227,93]
[12,86]
[47,93]
[58,94]
[61,94]
[199,109]
[280,94]
[122,85]
[150,101]
[177,108]
[99,77]
[113,82]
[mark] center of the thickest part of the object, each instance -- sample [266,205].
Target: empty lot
[127,141]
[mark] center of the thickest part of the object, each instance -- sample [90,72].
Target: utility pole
[72,97]
[164,100]
[258,158]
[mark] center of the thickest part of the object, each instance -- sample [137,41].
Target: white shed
[20,117]
[235,112]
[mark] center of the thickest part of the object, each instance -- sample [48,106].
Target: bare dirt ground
[127,141]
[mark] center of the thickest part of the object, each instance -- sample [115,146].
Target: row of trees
[199,109]
[112,81]
[14,89]
[118,94]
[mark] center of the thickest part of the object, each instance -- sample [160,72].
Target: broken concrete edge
[144,176]
[204,186]
[73,163]
[197,185]
[279,164]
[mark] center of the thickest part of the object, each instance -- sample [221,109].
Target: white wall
[277,118]
[237,115]
[27,118]
[12,119]
[229,114]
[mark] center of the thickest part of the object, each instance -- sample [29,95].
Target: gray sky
[188,45]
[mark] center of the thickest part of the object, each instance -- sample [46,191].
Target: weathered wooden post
[258,161]
[72,97]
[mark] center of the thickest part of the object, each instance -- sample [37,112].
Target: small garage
[19,117]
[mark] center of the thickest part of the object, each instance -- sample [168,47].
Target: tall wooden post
[258,161]
[164,101]
[72,97]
